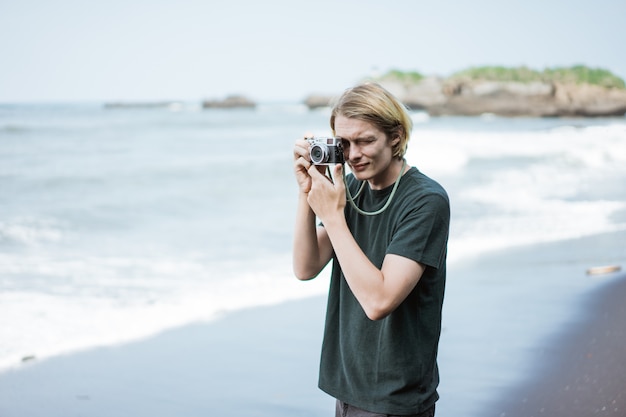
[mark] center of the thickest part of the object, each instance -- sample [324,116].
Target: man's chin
[360,175]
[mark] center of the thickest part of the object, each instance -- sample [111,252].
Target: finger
[338,176]
[303,162]
[338,171]
[321,172]
[301,149]
[303,142]
[314,172]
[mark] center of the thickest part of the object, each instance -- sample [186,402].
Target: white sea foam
[541,198]
[30,231]
[105,301]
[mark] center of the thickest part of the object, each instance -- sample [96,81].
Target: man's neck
[390,175]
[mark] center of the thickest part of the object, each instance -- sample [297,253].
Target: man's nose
[354,152]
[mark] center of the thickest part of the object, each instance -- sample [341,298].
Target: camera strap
[372,213]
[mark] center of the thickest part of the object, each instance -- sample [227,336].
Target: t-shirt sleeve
[422,232]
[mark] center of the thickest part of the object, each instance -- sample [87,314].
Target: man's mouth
[358,167]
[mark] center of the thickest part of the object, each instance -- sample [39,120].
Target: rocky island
[577,91]
[230,102]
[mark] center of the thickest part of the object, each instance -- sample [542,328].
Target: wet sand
[582,370]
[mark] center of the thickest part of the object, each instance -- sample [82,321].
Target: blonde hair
[372,103]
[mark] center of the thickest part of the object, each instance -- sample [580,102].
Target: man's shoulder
[420,184]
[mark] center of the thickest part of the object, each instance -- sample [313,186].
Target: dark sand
[508,317]
[582,371]
[257,362]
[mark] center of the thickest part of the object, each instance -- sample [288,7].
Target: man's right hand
[302,163]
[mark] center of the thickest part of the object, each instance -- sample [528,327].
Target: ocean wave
[449,151]
[103,301]
[30,231]
[516,188]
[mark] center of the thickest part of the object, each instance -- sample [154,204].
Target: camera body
[326,150]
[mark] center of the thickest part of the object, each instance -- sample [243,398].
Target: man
[383,320]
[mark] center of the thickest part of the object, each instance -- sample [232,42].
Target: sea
[119,223]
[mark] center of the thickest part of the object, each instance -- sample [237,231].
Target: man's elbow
[378,311]
[304,274]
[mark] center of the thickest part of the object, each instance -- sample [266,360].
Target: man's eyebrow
[365,137]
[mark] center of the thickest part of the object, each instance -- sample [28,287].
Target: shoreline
[264,361]
[259,361]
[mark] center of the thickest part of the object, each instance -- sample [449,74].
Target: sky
[281,50]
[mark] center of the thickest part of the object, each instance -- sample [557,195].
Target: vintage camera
[326,150]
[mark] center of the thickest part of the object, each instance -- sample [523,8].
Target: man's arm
[311,247]
[379,291]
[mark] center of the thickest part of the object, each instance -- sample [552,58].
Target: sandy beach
[582,370]
[258,362]
[509,349]
[510,313]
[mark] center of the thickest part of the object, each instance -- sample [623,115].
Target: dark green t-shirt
[390,366]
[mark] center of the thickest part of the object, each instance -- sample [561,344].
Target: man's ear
[395,139]
[398,134]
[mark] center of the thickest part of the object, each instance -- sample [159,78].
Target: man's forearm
[306,246]
[365,280]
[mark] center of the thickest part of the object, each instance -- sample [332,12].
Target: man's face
[367,151]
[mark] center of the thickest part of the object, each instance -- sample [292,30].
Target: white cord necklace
[373,213]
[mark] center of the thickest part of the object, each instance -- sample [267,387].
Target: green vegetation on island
[401,76]
[578,74]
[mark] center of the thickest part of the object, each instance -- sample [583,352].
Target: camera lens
[318,153]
